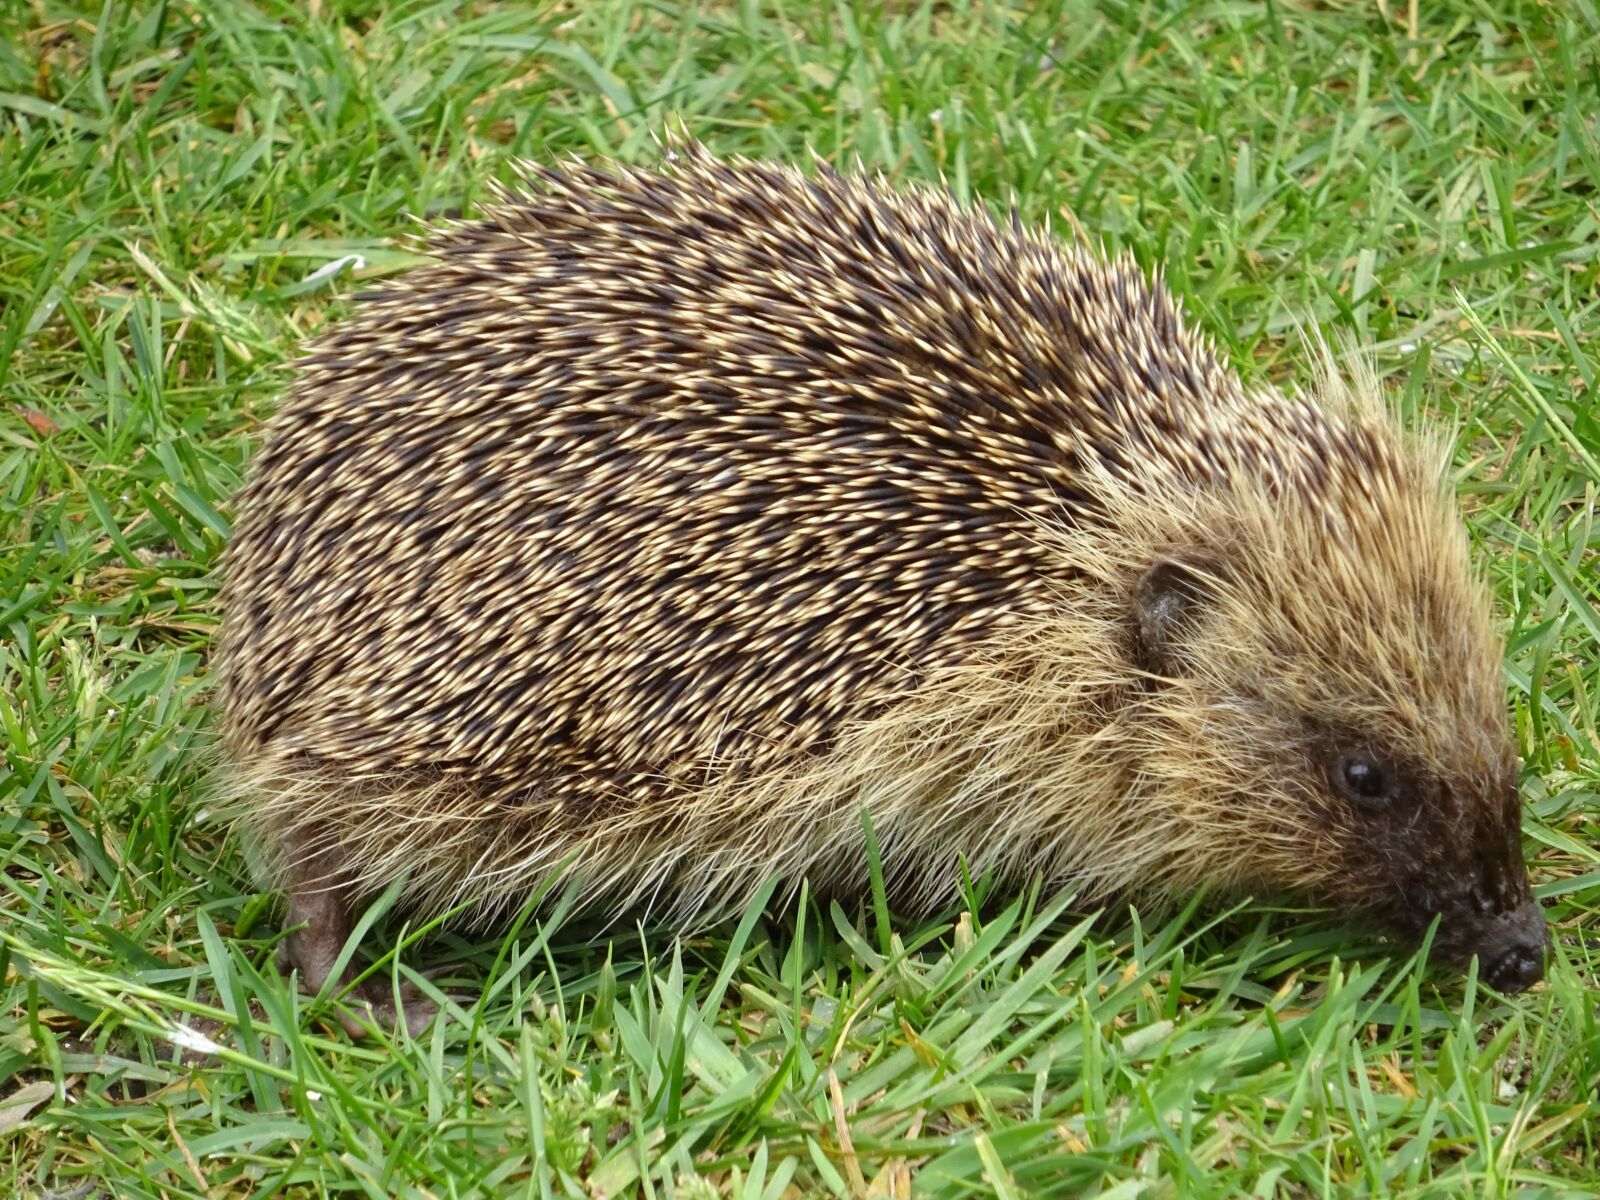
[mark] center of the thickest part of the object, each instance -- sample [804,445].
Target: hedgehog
[675,525]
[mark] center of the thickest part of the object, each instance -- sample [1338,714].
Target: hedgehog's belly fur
[952,774]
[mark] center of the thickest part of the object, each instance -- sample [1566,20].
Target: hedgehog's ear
[1170,596]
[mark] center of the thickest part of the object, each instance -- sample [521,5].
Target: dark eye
[1366,781]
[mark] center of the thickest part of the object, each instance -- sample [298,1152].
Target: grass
[187,189]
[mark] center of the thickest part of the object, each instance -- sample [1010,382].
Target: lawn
[189,189]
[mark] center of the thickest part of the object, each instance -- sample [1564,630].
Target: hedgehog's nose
[1518,968]
[1512,954]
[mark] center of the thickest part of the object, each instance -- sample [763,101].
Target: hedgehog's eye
[1366,782]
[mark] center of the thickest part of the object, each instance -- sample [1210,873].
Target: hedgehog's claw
[379,1003]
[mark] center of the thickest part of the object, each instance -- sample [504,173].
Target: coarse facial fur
[671,517]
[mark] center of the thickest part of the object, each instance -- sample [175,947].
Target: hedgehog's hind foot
[320,917]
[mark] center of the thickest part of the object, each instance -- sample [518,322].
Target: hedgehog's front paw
[320,919]
[372,1004]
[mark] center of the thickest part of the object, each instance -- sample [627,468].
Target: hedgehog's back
[655,475]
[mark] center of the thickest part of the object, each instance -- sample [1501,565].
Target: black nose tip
[1517,968]
[1511,947]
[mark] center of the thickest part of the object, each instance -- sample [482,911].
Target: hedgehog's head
[1326,685]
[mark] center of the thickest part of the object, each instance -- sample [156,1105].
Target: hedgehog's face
[1439,842]
[1362,756]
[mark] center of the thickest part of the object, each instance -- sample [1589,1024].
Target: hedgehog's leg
[321,915]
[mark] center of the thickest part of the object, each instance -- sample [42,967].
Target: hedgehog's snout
[1500,923]
[1473,879]
[1506,929]
[1511,947]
